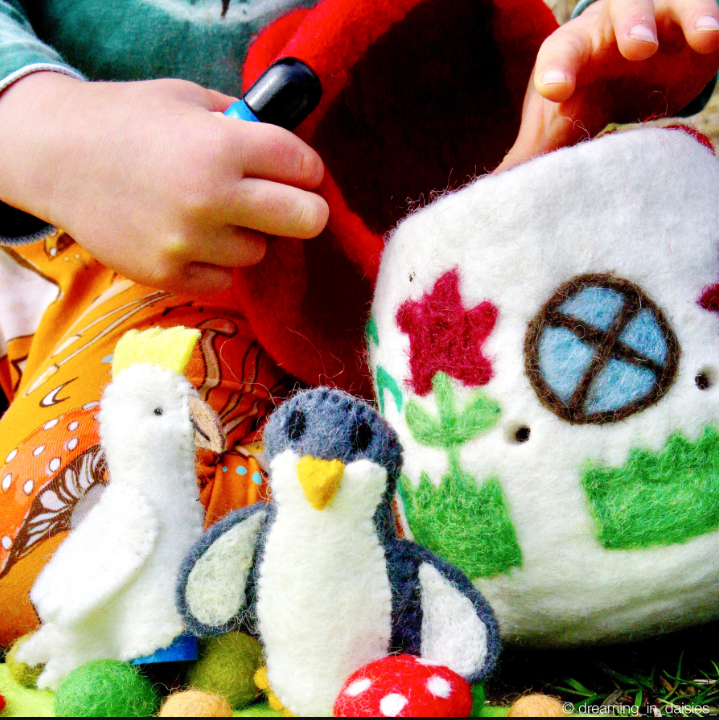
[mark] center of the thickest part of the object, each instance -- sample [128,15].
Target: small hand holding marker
[285,94]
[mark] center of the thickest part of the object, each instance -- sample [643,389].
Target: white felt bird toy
[320,574]
[108,592]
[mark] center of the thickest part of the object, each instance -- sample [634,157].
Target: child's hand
[152,179]
[619,61]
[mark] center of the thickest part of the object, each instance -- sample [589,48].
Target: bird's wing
[98,559]
[211,592]
[459,629]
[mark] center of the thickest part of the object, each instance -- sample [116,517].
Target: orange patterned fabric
[61,314]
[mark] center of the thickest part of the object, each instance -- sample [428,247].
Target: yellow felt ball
[195,703]
[537,706]
[23,674]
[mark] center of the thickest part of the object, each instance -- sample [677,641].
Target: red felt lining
[418,96]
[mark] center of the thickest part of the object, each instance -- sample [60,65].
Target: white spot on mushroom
[423,661]
[10,457]
[73,426]
[90,405]
[391,705]
[71,444]
[28,487]
[6,482]
[357,687]
[38,450]
[439,687]
[50,424]
[54,464]
[6,542]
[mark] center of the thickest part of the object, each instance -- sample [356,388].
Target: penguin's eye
[158,411]
[296,425]
[361,436]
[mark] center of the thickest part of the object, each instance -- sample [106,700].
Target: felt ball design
[195,703]
[565,457]
[106,688]
[21,672]
[404,686]
[537,705]
[226,667]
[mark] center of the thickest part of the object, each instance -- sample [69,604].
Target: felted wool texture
[537,706]
[227,666]
[195,703]
[404,686]
[106,688]
[22,673]
[639,206]
[333,589]
[377,62]
[109,590]
[22,701]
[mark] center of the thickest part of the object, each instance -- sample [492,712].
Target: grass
[663,676]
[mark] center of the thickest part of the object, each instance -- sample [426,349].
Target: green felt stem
[386,382]
[450,427]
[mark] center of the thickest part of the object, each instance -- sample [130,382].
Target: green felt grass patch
[657,498]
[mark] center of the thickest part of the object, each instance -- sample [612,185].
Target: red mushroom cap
[404,686]
[2,703]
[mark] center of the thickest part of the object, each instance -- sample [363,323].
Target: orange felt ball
[537,706]
[195,703]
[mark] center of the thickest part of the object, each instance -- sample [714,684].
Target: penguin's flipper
[211,590]
[458,629]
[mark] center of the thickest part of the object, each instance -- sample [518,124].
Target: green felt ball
[23,674]
[106,688]
[227,666]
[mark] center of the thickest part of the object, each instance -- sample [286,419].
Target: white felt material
[216,586]
[324,601]
[452,633]
[115,540]
[151,456]
[643,206]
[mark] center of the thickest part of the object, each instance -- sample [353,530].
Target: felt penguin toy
[108,592]
[320,575]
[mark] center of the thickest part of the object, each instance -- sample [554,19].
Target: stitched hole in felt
[518,433]
[158,411]
[296,425]
[705,378]
[422,114]
[361,436]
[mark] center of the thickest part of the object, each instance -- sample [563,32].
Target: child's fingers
[277,209]
[231,247]
[272,153]
[699,20]
[198,279]
[635,27]
[562,54]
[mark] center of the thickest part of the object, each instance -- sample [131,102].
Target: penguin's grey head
[327,433]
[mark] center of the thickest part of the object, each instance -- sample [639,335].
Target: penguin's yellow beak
[320,479]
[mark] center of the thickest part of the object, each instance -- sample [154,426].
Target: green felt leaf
[467,525]
[657,498]
[371,332]
[450,427]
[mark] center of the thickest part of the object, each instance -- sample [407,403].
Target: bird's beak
[320,479]
[208,427]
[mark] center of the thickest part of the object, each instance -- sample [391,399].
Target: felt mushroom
[45,477]
[404,686]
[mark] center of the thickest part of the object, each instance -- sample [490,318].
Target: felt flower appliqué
[445,336]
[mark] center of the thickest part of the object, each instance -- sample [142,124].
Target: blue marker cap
[285,94]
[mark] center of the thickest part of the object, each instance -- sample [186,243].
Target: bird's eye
[296,425]
[361,436]
[158,411]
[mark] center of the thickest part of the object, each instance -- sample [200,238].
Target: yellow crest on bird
[169,348]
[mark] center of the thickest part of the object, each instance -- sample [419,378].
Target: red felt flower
[446,337]
[710,298]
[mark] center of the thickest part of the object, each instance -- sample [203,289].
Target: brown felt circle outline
[606,345]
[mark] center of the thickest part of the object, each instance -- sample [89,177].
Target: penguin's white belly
[324,607]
